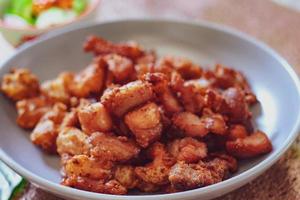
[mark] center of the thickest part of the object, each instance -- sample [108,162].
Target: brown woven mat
[277,26]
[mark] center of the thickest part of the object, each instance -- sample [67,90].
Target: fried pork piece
[145,124]
[253,145]
[145,64]
[121,68]
[237,131]
[90,80]
[190,124]
[213,99]
[85,166]
[110,147]
[99,46]
[236,106]
[57,89]
[231,102]
[185,176]
[188,150]
[126,176]
[225,78]
[148,58]
[72,141]
[157,171]
[20,84]
[31,110]
[190,97]
[231,161]
[214,123]
[46,131]
[163,92]
[99,186]
[70,120]
[183,66]
[94,117]
[121,100]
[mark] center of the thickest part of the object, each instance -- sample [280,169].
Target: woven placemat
[277,26]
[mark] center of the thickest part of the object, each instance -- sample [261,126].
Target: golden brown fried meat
[94,117]
[188,150]
[225,78]
[99,186]
[231,161]
[147,187]
[126,176]
[31,110]
[157,171]
[145,124]
[70,120]
[185,176]
[163,92]
[121,100]
[85,166]
[214,123]
[46,131]
[149,58]
[191,99]
[99,46]
[237,131]
[214,100]
[190,124]
[110,147]
[121,68]
[90,80]
[72,141]
[253,145]
[236,106]
[57,90]
[20,84]
[183,66]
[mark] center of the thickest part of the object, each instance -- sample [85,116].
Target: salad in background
[40,14]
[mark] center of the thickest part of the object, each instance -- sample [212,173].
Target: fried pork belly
[190,124]
[121,100]
[90,80]
[185,176]
[190,97]
[157,171]
[145,124]
[253,145]
[85,166]
[121,68]
[20,84]
[57,90]
[45,133]
[188,150]
[114,148]
[99,186]
[31,110]
[163,92]
[99,46]
[94,117]
[126,176]
[72,141]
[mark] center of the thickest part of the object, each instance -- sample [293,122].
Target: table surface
[276,25]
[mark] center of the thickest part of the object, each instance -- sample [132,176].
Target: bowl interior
[277,114]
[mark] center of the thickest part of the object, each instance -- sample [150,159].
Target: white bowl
[271,77]
[16,35]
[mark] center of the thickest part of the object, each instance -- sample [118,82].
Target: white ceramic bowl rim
[226,184]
